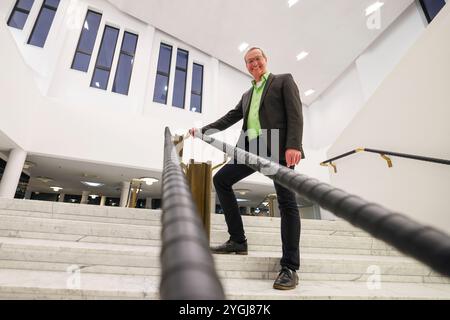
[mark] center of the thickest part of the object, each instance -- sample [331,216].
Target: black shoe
[231,247]
[287,279]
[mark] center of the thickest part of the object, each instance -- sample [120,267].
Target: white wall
[62,116]
[408,113]
[334,110]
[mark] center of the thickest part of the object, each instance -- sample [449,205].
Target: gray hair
[255,48]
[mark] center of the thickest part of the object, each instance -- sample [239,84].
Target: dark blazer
[281,108]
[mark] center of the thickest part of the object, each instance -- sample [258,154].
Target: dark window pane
[197,78]
[42,27]
[89,32]
[129,43]
[25,4]
[161,87]
[432,8]
[123,74]
[17,20]
[165,54]
[179,89]
[100,79]
[196,103]
[182,59]
[107,48]
[52,3]
[81,61]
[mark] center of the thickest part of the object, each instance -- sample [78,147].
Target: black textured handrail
[188,271]
[390,153]
[426,244]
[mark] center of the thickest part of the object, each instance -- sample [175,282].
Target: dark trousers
[231,173]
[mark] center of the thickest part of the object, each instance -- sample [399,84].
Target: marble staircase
[51,250]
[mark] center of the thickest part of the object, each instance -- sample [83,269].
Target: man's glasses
[257,59]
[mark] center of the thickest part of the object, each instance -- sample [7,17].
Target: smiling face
[256,63]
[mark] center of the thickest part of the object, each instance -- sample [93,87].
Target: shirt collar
[263,79]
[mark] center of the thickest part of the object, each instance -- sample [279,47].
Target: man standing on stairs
[271,105]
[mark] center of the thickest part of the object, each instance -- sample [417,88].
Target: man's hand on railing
[293,157]
[192,131]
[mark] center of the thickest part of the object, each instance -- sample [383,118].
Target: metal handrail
[188,271]
[426,244]
[384,155]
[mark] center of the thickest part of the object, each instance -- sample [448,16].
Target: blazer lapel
[246,104]
[266,88]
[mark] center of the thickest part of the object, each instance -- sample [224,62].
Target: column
[125,193]
[213,202]
[102,201]
[11,176]
[28,194]
[148,203]
[84,197]
[61,197]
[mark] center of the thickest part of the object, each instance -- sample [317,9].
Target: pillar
[11,176]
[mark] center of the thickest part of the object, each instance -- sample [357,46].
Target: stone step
[154,220]
[84,211]
[25,284]
[14,225]
[101,258]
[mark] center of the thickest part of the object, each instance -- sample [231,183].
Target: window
[20,13]
[179,88]
[162,74]
[431,8]
[197,88]
[86,42]
[105,58]
[43,23]
[125,65]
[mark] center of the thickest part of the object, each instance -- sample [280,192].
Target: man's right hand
[192,132]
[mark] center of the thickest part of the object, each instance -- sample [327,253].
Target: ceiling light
[292,2]
[242,191]
[309,92]
[29,165]
[374,7]
[149,181]
[56,189]
[243,46]
[242,200]
[92,184]
[302,55]
[44,179]
[93,196]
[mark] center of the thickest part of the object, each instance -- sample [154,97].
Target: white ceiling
[334,32]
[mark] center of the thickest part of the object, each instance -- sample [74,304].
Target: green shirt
[253,125]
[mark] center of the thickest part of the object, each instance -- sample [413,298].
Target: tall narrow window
[197,88]
[105,58]
[125,65]
[162,74]
[43,23]
[179,88]
[86,42]
[431,8]
[20,13]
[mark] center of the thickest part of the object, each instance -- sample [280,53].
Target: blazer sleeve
[294,115]
[227,120]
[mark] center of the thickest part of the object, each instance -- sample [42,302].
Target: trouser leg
[223,180]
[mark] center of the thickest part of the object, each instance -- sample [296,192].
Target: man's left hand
[293,157]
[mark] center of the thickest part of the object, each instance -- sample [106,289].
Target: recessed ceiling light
[374,7]
[44,179]
[56,189]
[292,2]
[148,181]
[243,46]
[93,196]
[309,92]
[302,55]
[29,165]
[92,184]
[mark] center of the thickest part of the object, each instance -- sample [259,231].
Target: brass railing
[384,155]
